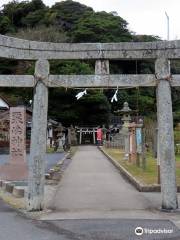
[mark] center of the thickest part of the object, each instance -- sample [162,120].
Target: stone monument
[72,136]
[17,135]
[59,138]
[16,168]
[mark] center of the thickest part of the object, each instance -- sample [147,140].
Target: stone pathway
[92,182]
[93,188]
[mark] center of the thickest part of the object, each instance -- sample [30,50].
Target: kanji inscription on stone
[17,134]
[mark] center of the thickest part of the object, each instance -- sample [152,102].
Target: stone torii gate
[102,53]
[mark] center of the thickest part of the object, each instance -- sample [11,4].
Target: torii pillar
[166,153]
[36,180]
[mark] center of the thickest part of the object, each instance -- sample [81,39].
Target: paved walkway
[92,187]
[92,182]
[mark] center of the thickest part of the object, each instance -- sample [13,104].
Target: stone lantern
[126,114]
[125,111]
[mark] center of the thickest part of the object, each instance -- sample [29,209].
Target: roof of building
[4,103]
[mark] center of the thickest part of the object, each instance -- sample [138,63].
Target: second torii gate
[102,53]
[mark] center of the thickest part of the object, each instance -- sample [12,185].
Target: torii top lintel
[14,48]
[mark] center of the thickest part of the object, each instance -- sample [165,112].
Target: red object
[99,134]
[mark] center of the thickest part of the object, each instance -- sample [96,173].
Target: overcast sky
[143,16]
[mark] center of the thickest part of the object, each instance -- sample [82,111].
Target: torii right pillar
[166,154]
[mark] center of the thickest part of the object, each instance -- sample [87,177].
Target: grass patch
[18,203]
[73,150]
[50,150]
[147,176]
[56,168]
[177,135]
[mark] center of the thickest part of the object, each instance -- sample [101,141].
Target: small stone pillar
[102,67]
[104,131]
[80,136]
[166,154]
[126,144]
[36,180]
[139,139]
[69,136]
[72,136]
[139,143]
[94,136]
[133,152]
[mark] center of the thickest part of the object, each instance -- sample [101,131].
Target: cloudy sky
[143,16]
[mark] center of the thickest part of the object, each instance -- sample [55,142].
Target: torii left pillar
[36,180]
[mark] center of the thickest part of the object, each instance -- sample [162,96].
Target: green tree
[16,11]
[71,67]
[101,27]
[145,38]
[5,25]
[68,13]
[32,19]
[92,109]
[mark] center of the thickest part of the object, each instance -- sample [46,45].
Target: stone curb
[137,184]
[52,171]
[7,186]
[19,191]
